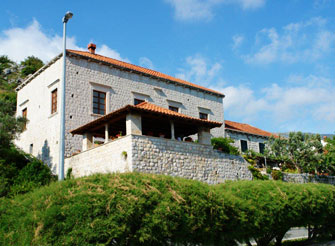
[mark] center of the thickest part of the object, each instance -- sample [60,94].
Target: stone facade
[160,156]
[121,87]
[252,140]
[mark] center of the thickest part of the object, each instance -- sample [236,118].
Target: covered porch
[145,119]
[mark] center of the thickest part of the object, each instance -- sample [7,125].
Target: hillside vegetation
[143,209]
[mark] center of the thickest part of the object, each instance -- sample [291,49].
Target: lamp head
[67,16]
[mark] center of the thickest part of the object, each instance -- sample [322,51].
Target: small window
[138,101]
[203,116]
[244,145]
[24,115]
[31,148]
[175,109]
[54,101]
[261,148]
[99,102]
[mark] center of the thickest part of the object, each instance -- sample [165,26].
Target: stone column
[106,133]
[87,141]
[204,136]
[172,131]
[133,124]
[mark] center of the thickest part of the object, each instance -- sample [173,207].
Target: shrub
[224,144]
[256,174]
[277,175]
[20,172]
[143,209]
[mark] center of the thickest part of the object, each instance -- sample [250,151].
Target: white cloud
[203,9]
[312,100]
[18,43]
[302,99]
[296,42]
[106,51]
[251,4]
[146,62]
[198,70]
[237,41]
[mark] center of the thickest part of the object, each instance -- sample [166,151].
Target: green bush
[256,174]
[277,175]
[224,144]
[21,173]
[143,209]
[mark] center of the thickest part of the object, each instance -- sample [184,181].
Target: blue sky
[274,60]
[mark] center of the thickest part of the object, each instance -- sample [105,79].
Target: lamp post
[66,18]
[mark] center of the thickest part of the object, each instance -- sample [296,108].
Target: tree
[330,156]
[30,65]
[10,126]
[302,151]
[5,62]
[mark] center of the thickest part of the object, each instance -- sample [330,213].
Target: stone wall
[106,158]
[187,160]
[160,156]
[308,178]
[252,140]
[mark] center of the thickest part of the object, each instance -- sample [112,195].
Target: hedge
[143,209]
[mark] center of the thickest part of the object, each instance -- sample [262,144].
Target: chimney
[91,47]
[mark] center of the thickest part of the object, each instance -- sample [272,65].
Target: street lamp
[66,18]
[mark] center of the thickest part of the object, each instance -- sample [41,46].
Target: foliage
[277,175]
[143,209]
[21,173]
[303,151]
[269,209]
[126,209]
[10,126]
[30,65]
[69,173]
[256,174]
[329,162]
[224,144]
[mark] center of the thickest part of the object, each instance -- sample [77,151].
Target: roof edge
[38,72]
[209,91]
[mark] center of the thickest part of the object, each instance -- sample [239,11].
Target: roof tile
[247,128]
[140,69]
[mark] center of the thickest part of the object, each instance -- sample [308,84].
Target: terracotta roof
[141,70]
[144,107]
[241,127]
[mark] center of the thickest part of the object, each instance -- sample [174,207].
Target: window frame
[263,148]
[98,109]
[54,101]
[137,101]
[246,145]
[25,115]
[173,108]
[201,116]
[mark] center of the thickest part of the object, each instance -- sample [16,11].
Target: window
[54,101]
[175,109]
[31,148]
[138,101]
[24,115]
[99,102]
[261,148]
[203,116]
[244,145]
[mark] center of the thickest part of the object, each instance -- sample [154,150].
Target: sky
[273,59]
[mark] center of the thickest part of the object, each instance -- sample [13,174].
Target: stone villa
[247,137]
[122,117]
